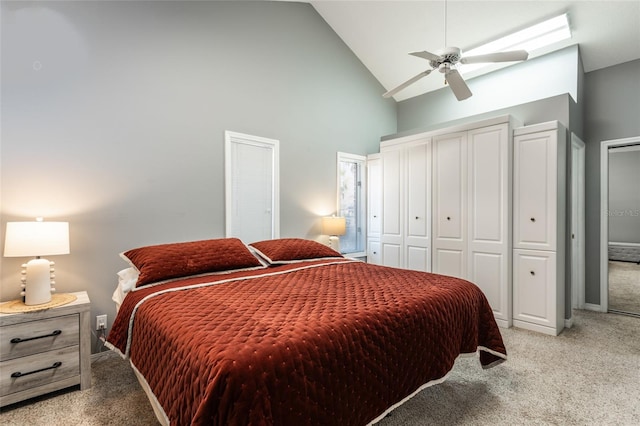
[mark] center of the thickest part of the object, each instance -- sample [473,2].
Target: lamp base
[334,243]
[38,282]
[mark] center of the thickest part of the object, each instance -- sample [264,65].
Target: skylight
[530,39]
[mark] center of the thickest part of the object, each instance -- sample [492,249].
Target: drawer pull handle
[533,219]
[448,218]
[19,374]
[19,340]
[532,273]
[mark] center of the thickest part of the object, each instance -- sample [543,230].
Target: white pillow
[127,279]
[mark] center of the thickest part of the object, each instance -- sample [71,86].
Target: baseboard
[568,323]
[101,356]
[592,307]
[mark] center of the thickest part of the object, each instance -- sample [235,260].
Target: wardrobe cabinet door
[374,182]
[418,216]
[392,208]
[489,203]
[449,199]
[374,255]
[534,191]
[534,290]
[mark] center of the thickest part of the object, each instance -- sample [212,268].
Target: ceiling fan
[445,61]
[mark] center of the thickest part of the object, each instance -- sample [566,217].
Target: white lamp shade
[36,239]
[334,225]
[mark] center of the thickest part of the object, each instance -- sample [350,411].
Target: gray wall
[624,195]
[113,118]
[611,111]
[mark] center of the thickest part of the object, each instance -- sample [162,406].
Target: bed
[288,331]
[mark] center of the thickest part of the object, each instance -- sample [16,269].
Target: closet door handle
[417,217]
[533,219]
[448,218]
[532,273]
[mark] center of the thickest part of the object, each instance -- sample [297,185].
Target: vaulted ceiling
[382,33]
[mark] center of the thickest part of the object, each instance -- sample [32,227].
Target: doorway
[620,226]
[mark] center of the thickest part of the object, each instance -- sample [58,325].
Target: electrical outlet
[101,322]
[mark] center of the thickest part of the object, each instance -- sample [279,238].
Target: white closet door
[449,195]
[392,201]
[534,191]
[417,216]
[488,196]
[534,298]
[374,180]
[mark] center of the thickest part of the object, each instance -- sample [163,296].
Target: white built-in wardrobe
[444,202]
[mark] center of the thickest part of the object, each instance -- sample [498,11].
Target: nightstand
[44,351]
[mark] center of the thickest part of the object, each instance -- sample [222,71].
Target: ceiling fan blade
[457,84]
[427,55]
[510,56]
[412,80]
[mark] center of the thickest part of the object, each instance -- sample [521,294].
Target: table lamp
[334,226]
[37,239]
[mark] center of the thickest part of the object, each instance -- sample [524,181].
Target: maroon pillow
[166,261]
[290,250]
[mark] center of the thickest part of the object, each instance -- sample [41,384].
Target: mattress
[331,341]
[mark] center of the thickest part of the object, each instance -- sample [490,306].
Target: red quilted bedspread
[326,342]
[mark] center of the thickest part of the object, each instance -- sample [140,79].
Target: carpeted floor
[589,375]
[624,286]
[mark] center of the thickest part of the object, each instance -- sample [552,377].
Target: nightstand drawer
[33,337]
[28,372]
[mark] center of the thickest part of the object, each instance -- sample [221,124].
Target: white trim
[592,307]
[568,323]
[441,380]
[615,243]
[155,404]
[525,325]
[604,219]
[274,145]
[631,148]
[443,129]
[577,228]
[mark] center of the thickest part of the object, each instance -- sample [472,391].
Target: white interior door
[251,187]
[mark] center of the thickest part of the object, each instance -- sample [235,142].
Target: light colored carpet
[589,375]
[624,286]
